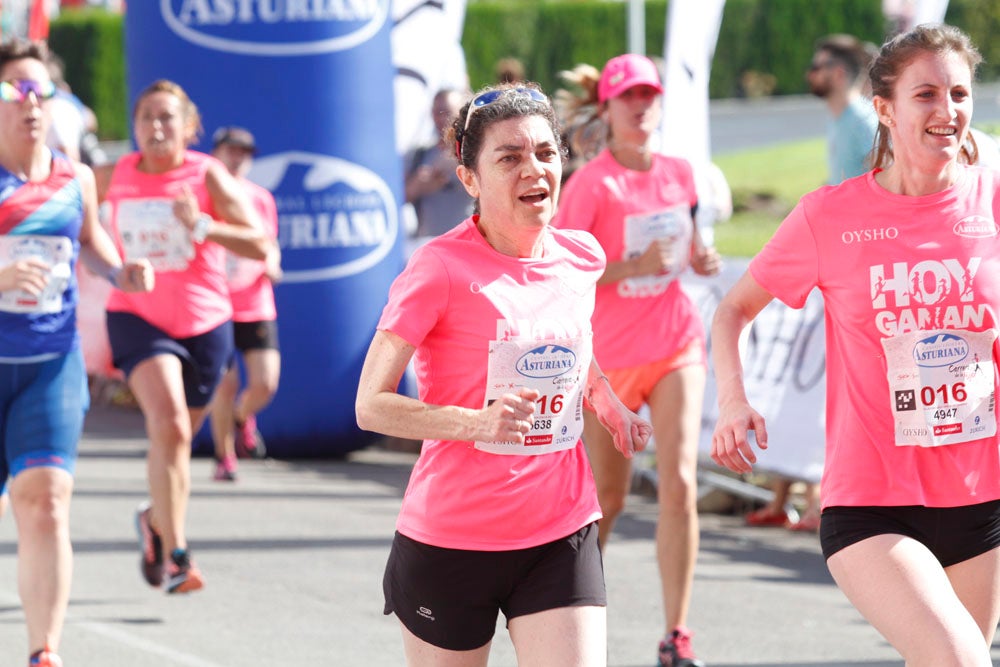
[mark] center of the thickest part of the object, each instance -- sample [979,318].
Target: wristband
[112,275]
[200,231]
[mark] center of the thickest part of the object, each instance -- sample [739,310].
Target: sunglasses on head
[18,89]
[491,96]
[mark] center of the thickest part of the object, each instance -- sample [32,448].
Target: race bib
[56,251]
[149,229]
[558,370]
[672,227]
[941,386]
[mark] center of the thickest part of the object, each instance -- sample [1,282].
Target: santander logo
[275,27]
[976,227]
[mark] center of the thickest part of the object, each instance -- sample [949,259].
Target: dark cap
[234,136]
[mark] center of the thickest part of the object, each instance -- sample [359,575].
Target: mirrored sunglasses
[18,89]
[491,96]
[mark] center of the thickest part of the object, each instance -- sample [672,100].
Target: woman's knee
[169,429]
[40,499]
[677,492]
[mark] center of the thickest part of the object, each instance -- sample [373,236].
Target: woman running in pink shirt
[182,210]
[907,258]
[647,332]
[500,511]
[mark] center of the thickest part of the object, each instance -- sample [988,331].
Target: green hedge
[763,44]
[90,41]
[773,37]
[981,20]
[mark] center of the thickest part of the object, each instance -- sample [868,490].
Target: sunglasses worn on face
[491,96]
[18,89]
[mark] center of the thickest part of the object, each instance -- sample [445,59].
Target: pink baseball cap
[624,72]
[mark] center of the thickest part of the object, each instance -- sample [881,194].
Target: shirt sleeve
[788,265]
[417,298]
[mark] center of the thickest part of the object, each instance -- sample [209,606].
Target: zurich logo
[275,27]
[546,361]
[940,350]
[335,218]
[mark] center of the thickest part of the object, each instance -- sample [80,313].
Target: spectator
[509,70]
[432,185]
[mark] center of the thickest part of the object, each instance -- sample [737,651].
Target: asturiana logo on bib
[547,361]
[976,227]
[940,350]
[275,27]
[335,218]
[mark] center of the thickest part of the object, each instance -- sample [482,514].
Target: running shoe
[150,547]
[249,442]
[45,658]
[183,576]
[225,470]
[676,651]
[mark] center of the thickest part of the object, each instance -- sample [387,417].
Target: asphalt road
[737,124]
[293,556]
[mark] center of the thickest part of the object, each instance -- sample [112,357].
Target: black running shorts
[952,534]
[262,335]
[450,597]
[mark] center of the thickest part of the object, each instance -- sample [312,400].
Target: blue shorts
[204,358]
[42,405]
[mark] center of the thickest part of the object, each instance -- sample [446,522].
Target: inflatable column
[313,80]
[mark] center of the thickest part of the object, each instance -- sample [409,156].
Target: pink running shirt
[636,321]
[891,267]
[456,295]
[186,301]
[249,288]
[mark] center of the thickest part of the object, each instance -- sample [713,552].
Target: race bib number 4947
[941,386]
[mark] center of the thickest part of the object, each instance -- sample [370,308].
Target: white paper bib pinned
[56,251]
[558,370]
[941,386]
[148,229]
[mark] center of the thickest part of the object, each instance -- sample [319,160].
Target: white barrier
[784,362]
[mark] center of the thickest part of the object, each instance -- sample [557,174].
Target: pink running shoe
[225,470]
[249,443]
[676,651]
[45,658]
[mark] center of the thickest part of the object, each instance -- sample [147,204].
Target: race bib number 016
[56,251]
[941,386]
[558,370]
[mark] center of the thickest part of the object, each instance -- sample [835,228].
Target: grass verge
[766,184]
